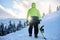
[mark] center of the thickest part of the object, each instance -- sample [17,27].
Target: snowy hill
[20,35]
[51,24]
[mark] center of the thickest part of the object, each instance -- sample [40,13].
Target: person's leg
[36,30]
[30,29]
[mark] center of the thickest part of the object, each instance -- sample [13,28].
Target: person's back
[33,11]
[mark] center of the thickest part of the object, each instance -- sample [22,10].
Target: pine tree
[19,26]
[5,30]
[24,24]
[49,8]
[1,29]
[58,7]
[10,27]
[43,15]
[14,27]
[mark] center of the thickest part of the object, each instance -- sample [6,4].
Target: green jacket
[33,12]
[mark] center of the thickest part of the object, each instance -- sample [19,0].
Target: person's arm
[39,15]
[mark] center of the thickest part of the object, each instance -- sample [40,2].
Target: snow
[51,24]
[20,35]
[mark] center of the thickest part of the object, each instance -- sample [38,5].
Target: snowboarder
[33,17]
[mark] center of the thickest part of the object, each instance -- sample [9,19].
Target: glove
[27,21]
[40,20]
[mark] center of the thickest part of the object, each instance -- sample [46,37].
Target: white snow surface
[20,35]
[51,24]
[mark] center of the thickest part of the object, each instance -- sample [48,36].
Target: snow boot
[36,36]
[30,35]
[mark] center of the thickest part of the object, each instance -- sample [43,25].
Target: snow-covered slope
[51,24]
[20,35]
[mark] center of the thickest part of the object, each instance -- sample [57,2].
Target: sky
[19,8]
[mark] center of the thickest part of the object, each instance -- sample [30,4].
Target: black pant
[35,28]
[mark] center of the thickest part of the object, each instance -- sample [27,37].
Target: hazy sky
[19,8]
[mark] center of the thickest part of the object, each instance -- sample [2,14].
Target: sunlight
[43,6]
[19,8]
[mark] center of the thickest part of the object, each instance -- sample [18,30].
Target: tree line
[11,28]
